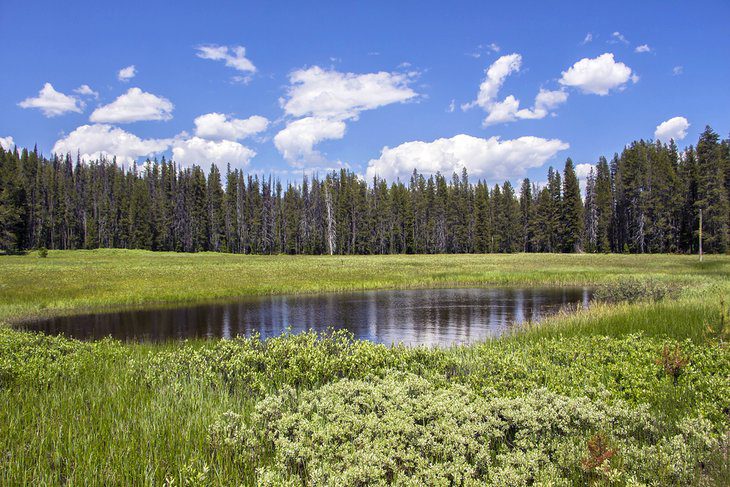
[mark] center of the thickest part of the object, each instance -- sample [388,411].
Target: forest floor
[633,391]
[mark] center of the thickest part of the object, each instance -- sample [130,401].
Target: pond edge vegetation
[640,389]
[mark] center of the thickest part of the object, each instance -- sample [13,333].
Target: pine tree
[591,214]
[216,211]
[711,192]
[526,214]
[572,211]
[604,205]
[11,204]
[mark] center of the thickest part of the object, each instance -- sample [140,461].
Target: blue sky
[288,88]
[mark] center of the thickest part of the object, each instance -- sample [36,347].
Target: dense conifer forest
[646,199]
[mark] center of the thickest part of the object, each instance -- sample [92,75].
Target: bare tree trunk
[330,219]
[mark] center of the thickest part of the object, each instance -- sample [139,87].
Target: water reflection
[415,317]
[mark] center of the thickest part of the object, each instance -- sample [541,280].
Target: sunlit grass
[108,413]
[69,280]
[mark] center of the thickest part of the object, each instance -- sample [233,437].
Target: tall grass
[107,413]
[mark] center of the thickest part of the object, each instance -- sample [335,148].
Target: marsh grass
[106,413]
[68,281]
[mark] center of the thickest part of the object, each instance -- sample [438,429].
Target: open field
[627,393]
[70,280]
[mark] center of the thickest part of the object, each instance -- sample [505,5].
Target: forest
[647,199]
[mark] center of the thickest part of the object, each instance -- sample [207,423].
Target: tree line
[646,199]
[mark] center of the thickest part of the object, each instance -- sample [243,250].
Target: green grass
[69,280]
[107,413]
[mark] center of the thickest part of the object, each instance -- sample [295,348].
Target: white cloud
[85,90]
[493,47]
[133,106]
[674,128]
[508,110]
[547,99]
[125,74]
[677,70]
[598,75]
[233,56]
[495,76]
[452,106]
[582,171]
[218,126]
[618,37]
[52,103]
[588,38]
[643,48]
[502,111]
[95,141]
[204,152]
[7,143]
[296,142]
[491,159]
[325,99]
[332,94]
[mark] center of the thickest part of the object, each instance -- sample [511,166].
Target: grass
[285,411]
[67,281]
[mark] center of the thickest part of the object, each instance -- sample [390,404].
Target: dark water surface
[415,317]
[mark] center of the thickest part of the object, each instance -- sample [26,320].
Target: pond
[433,317]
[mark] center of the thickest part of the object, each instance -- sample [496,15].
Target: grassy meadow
[631,392]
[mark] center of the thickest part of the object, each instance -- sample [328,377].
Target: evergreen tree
[572,211]
[526,214]
[712,195]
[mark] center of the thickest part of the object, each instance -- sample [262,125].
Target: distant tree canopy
[647,199]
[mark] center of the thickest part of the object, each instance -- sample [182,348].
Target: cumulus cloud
[677,70]
[491,159]
[325,99]
[233,56]
[598,75]
[674,128]
[7,143]
[218,126]
[643,48]
[196,150]
[332,94]
[297,140]
[52,103]
[125,74]
[85,90]
[583,170]
[95,141]
[133,106]
[508,110]
[494,79]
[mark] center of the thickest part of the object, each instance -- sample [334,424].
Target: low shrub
[404,430]
[633,290]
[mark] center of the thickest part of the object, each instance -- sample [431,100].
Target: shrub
[633,290]
[672,361]
[404,430]
[42,252]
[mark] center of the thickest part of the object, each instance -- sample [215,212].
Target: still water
[437,317]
